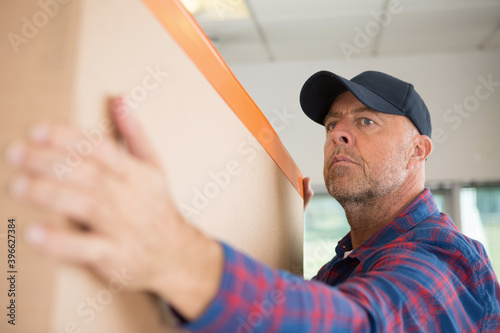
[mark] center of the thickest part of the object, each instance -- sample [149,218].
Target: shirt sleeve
[400,291]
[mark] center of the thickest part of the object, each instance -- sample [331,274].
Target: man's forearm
[255,298]
[197,282]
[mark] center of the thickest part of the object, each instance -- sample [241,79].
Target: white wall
[466,144]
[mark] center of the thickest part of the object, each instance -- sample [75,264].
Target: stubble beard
[355,189]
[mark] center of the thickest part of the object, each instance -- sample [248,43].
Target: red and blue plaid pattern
[417,274]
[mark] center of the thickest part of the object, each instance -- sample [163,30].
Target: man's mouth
[340,160]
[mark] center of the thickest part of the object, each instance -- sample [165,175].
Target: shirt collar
[420,209]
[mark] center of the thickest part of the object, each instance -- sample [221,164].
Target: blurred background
[449,50]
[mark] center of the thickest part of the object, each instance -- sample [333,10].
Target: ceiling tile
[425,5]
[439,30]
[231,31]
[268,10]
[314,38]
[235,53]
[299,29]
[236,41]
[222,10]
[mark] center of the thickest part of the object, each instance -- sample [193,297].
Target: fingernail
[120,107]
[39,133]
[35,234]
[15,153]
[19,186]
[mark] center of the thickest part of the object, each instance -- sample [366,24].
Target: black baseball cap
[379,91]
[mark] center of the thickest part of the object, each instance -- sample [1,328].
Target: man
[404,267]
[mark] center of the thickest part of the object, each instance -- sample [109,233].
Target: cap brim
[321,89]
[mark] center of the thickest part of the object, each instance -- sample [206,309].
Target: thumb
[308,191]
[132,132]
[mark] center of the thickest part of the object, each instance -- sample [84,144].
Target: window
[441,198]
[474,209]
[325,224]
[480,219]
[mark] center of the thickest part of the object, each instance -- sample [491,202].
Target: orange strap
[188,34]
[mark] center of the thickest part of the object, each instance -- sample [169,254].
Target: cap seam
[381,97]
[407,93]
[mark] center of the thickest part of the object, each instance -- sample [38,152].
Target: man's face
[366,152]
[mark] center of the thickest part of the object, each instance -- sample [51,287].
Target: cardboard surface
[222,177]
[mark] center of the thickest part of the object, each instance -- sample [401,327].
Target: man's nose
[342,133]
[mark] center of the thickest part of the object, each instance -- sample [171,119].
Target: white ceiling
[279,30]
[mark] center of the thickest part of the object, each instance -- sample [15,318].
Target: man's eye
[367,122]
[330,126]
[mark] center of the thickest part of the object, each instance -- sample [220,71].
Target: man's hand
[308,191]
[120,201]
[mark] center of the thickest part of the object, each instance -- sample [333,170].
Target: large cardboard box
[62,60]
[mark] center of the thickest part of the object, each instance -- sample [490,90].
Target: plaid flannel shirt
[416,274]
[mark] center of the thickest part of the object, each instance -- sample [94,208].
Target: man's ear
[421,149]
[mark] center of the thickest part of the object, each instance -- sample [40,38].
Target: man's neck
[366,218]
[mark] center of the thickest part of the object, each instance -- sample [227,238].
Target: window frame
[449,190]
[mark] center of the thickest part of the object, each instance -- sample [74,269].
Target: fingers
[74,146]
[132,132]
[71,246]
[75,204]
[93,167]
[65,152]
[48,162]
[308,191]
